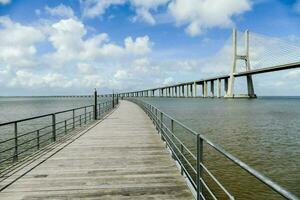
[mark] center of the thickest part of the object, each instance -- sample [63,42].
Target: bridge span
[190,88]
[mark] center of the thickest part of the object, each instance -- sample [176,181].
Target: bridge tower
[236,57]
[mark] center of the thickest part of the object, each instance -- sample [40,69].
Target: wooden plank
[120,158]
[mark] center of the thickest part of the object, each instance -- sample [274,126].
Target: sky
[51,47]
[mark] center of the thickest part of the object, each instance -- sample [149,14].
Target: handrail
[45,115]
[158,121]
[13,146]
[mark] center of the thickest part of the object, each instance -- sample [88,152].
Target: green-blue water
[263,132]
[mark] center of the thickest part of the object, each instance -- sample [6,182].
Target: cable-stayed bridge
[251,54]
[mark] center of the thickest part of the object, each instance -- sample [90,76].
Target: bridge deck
[120,158]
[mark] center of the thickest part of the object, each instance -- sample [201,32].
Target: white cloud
[75,61]
[19,43]
[70,46]
[196,15]
[168,81]
[65,41]
[140,46]
[144,15]
[143,8]
[121,74]
[28,79]
[293,74]
[200,15]
[94,8]
[85,68]
[60,11]
[4,2]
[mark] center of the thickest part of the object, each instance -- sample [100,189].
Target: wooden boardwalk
[121,157]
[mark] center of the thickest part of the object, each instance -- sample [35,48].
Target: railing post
[113,100]
[80,120]
[172,126]
[161,127]
[65,126]
[15,158]
[85,115]
[156,119]
[53,128]
[95,105]
[198,166]
[181,159]
[73,115]
[38,139]
[117,98]
[161,122]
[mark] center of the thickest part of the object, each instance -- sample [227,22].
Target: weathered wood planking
[120,158]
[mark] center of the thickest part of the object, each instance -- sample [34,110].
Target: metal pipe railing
[195,176]
[48,133]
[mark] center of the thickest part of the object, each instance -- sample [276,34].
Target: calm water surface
[263,132]
[14,108]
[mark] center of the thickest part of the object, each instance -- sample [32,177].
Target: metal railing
[191,159]
[26,136]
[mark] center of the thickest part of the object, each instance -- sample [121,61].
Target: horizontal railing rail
[191,163]
[17,143]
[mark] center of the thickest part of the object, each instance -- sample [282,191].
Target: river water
[263,132]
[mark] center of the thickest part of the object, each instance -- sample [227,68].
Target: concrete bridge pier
[212,89]
[219,88]
[204,89]
[195,89]
[246,59]
[226,85]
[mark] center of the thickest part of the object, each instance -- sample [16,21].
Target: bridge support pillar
[195,89]
[204,89]
[226,85]
[219,88]
[212,89]
[250,87]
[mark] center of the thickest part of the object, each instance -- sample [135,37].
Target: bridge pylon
[236,57]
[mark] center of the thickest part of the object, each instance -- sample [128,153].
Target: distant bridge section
[190,88]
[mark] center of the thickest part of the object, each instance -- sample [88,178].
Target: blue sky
[72,46]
